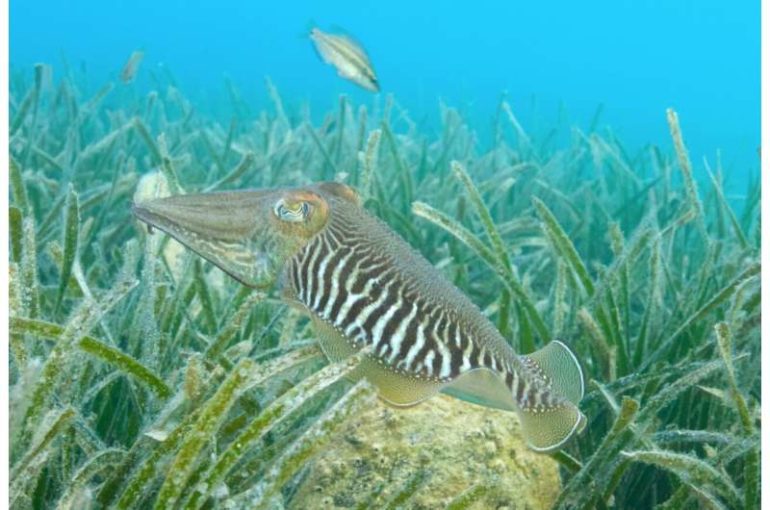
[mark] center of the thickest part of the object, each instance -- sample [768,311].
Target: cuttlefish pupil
[365,287]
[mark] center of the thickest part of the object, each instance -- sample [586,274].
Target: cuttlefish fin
[549,429]
[395,388]
[544,430]
[482,386]
[561,367]
[334,345]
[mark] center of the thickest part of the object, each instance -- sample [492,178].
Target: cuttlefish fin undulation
[395,388]
[364,287]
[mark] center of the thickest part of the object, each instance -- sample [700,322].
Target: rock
[439,449]
[151,185]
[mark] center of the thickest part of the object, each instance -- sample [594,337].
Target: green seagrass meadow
[142,377]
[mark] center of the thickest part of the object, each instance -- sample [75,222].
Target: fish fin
[334,345]
[548,430]
[341,31]
[561,367]
[346,74]
[397,389]
[482,386]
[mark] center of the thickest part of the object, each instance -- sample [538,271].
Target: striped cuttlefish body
[364,287]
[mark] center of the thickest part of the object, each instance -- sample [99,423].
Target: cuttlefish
[365,288]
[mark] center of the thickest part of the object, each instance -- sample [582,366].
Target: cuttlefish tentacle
[364,287]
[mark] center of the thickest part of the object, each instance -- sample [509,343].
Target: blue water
[557,61]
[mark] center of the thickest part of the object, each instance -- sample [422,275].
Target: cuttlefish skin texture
[365,288]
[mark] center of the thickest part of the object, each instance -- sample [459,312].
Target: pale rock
[459,445]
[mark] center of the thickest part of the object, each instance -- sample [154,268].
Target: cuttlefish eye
[292,211]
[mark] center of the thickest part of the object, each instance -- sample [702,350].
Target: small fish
[347,56]
[132,66]
[366,288]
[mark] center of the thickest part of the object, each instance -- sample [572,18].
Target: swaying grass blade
[286,404]
[71,230]
[82,320]
[100,462]
[685,166]
[267,491]
[690,470]
[212,416]
[726,207]
[236,173]
[718,298]
[15,233]
[563,244]
[578,493]
[57,425]
[368,161]
[125,364]
[18,190]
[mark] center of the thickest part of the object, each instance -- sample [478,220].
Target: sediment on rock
[429,456]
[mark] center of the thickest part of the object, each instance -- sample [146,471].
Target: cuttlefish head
[248,234]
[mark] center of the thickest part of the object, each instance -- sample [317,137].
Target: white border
[4,380]
[765,182]
[4,311]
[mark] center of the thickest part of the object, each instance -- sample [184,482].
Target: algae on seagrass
[650,275]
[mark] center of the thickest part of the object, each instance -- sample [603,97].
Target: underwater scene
[390,255]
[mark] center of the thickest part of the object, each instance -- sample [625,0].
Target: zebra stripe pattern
[341,279]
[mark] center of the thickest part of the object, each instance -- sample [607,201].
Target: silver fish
[347,56]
